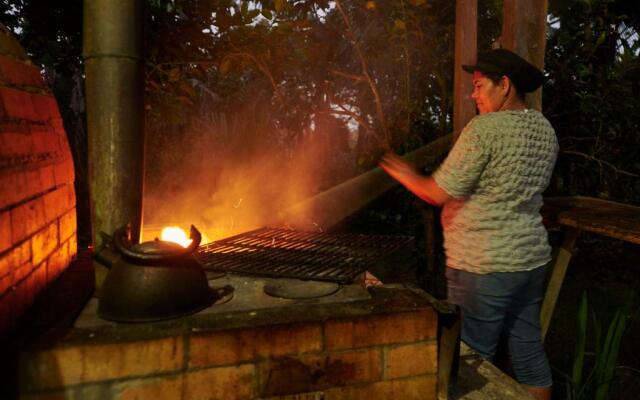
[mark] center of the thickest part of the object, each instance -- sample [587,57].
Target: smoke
[228,175]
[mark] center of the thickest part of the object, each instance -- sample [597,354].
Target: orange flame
[176,235]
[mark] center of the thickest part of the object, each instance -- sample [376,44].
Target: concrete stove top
[248,296]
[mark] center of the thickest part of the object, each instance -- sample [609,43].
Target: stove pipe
[114,87]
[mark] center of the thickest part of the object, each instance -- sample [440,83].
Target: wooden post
[524,32]
[465,53]
[559,265]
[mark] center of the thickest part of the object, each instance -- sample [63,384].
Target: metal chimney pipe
[114,86]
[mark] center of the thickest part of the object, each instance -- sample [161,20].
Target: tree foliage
[254,79]
[382,64]
[592,96]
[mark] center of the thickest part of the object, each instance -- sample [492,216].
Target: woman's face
[489,96]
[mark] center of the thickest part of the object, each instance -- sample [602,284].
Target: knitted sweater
[496,173]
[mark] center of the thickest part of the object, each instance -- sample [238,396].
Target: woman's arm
[424,187]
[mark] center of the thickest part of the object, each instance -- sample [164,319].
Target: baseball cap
[523,74]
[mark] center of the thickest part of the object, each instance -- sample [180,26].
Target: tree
[592,96]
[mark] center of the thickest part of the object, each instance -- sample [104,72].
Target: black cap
[524,76]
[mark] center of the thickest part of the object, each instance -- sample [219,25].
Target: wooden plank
[465,53]
[559,265]
[524,32]
[608,218]
[325,210]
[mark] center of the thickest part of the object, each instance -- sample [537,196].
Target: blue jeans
[509,302]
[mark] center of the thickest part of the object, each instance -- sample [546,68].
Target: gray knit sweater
[496,172]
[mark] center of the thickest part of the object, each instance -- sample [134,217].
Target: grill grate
[303,255]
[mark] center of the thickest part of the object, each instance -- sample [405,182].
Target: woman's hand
[397,167]
[424,187]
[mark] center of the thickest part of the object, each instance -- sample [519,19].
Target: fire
[178,235]
[175,234]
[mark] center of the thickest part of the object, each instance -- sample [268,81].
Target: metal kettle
[152,281]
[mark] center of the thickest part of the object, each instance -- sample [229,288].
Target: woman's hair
[496,78]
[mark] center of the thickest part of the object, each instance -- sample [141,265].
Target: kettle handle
[122,243]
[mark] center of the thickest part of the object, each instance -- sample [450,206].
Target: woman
[490,186]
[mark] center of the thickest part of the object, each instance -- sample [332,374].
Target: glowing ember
[175,234]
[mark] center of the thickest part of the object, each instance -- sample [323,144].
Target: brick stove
[348,342]
[37,197]
[354,344]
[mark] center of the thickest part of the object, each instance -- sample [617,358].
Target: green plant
[592,378]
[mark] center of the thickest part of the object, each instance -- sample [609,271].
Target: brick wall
[383,356]
[37,198]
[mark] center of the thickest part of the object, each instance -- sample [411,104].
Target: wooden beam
[325,210]
[524,32]
[559,264]
[465,53]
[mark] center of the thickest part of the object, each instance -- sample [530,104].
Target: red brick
[18,255]
[26,219]
[47,178]
[27,289]
[6,282]
[57,124]
[166,387]
[44,105]
[58,202]
[239,345]
[15,144]
[380,329]
[33,185]
[5,232]
[411,360]
[73,246]
[228,383]
[65,366]
[21,271]
[20,73]
[57,262]
[67,225]
[17,104]
[417,388]
[45,141]
[14,125]
[290,375]
[63,171]
[44,243]
[18,186]
[38,279]
[8,190]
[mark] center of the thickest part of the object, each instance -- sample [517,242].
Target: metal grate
[303,255]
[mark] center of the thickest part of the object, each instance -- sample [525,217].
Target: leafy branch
[259,62]
[157,67]
[600,162]
[365,72]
